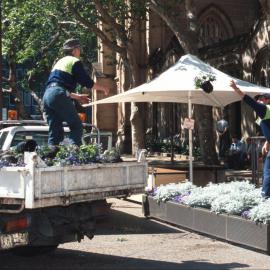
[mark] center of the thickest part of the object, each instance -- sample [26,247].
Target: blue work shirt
[68,72]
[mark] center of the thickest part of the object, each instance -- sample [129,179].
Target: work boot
[51,153]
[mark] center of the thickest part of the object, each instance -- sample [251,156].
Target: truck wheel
[29,251]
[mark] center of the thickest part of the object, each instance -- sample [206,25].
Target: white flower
[169,191]
[261,212]
[231,198]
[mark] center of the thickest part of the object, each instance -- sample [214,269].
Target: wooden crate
[165,176]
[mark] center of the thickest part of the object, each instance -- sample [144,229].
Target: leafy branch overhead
[116,34]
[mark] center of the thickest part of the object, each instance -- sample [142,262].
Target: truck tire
[29,251]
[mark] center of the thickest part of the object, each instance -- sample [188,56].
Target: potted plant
[204,82]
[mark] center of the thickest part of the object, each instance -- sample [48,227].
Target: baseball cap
[266,95]
[262,95]
[71,44]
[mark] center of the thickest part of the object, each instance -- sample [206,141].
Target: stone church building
[234,37]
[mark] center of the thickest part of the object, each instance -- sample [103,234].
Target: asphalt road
[128,241]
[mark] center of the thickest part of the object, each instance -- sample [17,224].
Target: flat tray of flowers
[234,211]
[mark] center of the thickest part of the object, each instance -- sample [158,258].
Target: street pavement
[128,241]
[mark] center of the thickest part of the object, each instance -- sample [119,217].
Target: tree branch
[173,24]
[7,90]
[118,28]
[265,4]
[4,79]
[94,29]
[67,23]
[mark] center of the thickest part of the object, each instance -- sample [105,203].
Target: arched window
[261,68]
[213,27]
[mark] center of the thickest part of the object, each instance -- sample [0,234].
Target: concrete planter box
[157,212]
[230,228]
[182,216]
[209,223]
[248,233]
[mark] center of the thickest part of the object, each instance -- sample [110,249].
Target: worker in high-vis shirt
[265,99]
[57,99]
[263,112]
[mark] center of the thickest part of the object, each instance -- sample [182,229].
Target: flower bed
[226,227]
[230,211]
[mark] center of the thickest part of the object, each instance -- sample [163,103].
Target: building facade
[233,37]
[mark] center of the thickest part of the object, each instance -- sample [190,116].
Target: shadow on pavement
[121,222]
[64,259]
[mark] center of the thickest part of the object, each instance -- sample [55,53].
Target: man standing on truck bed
[57,99]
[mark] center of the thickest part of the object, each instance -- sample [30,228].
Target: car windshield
[3,136]
[40,137]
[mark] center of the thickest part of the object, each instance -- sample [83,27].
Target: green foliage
[89,153]
[71,154]
[164,146]
[110,156]
[29,26]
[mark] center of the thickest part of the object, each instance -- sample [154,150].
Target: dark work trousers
[266,177]
[59,108]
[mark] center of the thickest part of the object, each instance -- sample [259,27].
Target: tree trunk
[14,89]
[136,59]
[137,126]
[204,122]
[187,36]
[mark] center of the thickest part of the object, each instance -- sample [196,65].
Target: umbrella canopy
[178,83]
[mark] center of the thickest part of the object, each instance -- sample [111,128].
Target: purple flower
[246,214]
[181,198]
[151,192]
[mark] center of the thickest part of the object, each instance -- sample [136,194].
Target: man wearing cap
[263,111]
[57,99]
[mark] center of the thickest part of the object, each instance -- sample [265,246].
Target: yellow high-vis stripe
[65,64]
[267,114]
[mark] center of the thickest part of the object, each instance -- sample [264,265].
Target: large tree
[121,21]
[25,37]
[187,35]
[32,38]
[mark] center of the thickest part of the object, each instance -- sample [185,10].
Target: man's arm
[258,107]
[81,98]
[265,148]
[101,88]
[84,79]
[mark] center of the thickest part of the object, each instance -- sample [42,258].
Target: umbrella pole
[190,141]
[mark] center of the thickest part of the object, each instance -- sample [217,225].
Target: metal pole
[190,140]
[253,160]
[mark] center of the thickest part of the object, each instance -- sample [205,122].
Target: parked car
[14,132]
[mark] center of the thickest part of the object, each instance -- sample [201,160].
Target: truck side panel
[39,186]
[12,183]
[88,182]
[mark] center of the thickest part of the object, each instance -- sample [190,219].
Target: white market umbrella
[177,85]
